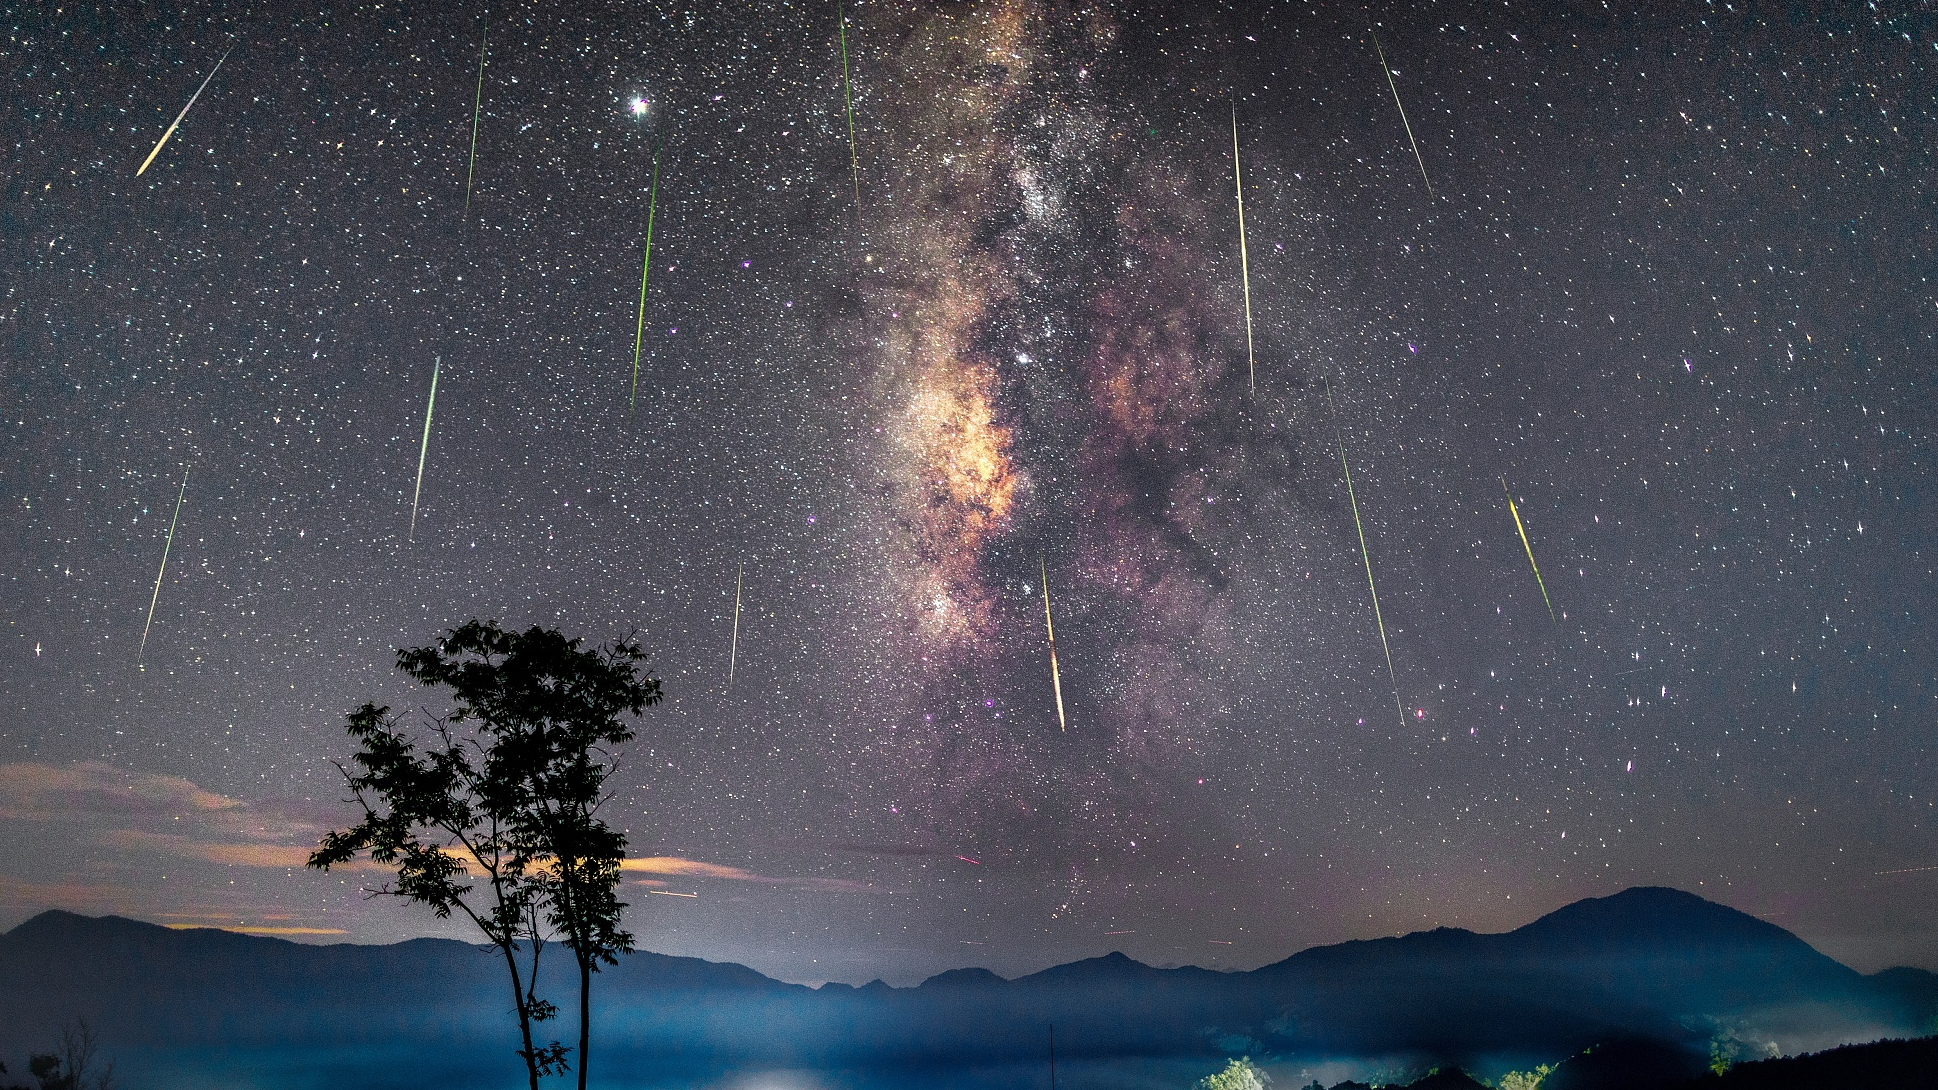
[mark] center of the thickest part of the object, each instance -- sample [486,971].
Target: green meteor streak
[477,107]
[733,649]
[1367,557]
[425,448]
[1516,512]
[1244,259]
[854,161]
[166,545]
[645,270]
[1396,102]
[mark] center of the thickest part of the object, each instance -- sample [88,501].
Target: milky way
[1056,375]
[1669,283]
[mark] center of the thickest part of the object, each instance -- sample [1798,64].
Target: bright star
[639,107]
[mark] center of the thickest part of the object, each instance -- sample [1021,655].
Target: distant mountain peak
[1646,913]
[962,978]
[1116,959]
[58,923]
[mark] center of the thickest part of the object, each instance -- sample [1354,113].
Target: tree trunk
[585,1014]
[580,928]
[524,1016]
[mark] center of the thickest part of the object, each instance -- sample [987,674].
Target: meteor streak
[1365,556]
[477,107]
[425,448]
[645,270]
[1056,679]
[1244,258]
[1512,510]
[733,649]
[166,545]
[185,109]
[1396,102]
[854,161]
[669,893]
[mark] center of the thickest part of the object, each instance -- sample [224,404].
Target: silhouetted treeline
[1636,1064]
[1881,1065]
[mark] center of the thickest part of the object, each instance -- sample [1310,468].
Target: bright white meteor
[425,448]
[184,113]
[733,650]
[1244,258]
[1414,144]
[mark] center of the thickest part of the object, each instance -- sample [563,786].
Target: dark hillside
[1649,965]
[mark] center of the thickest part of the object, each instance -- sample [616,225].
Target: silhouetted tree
[554,710]
[75,1065]
[432,816]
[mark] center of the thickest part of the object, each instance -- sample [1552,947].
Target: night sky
[1670,285]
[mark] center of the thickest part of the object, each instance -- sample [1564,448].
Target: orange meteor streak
[1049,628]
[185,109]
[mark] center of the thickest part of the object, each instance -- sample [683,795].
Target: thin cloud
[673,864]
[38,792]
[113,800]
[677,866]
[279,856]
[241,929]
[75,896]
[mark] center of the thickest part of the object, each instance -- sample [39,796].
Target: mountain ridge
[1649,963]
[1591,912]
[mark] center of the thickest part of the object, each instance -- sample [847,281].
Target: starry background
[1670,283]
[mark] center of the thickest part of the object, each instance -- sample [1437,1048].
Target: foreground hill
[1885,1065]
[1657,965]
